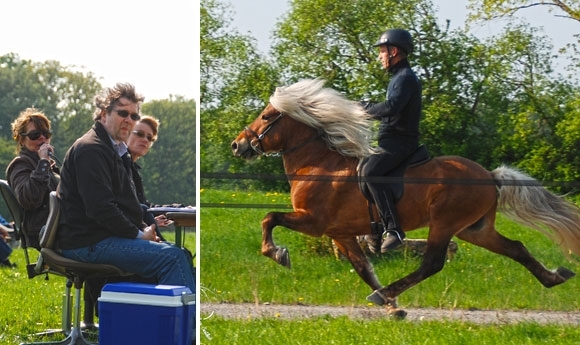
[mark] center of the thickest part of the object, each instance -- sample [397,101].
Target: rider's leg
[393,235]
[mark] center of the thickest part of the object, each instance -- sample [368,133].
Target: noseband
[256,142]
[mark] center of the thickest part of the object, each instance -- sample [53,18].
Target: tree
[169,169]
[236,84]
[62,93]
[494,100]
[491,9]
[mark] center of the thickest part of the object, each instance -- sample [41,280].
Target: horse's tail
[526,201]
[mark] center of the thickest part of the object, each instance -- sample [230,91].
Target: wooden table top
[182,218]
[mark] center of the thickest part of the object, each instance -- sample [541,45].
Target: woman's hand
[162,221]
[44,151]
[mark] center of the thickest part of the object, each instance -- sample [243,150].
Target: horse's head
[263,136]
[301,113]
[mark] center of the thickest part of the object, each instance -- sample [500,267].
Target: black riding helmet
[398,38]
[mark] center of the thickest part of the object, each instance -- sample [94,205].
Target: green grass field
[233,270]
[29,306]
[348,332]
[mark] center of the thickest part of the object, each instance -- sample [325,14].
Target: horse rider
[398,131]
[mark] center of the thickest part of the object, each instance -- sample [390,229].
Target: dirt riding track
[251,311]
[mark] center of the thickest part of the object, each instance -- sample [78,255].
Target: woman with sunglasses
[140,141]
[32,174]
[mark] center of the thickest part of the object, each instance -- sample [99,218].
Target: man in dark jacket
[398,132]
[101,218]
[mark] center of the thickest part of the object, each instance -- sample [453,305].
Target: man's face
[384,52]
[120,121]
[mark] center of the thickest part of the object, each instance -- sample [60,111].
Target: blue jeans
[162,261]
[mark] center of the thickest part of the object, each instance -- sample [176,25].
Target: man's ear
[103,118]
[396,51]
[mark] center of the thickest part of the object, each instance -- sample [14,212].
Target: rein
[256,143]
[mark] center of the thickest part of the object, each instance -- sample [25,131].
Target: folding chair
[17,213]
[39,267]
[75,271]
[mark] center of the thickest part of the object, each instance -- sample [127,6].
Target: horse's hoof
[376,298]
[283,257]
[396,313]
[565,273]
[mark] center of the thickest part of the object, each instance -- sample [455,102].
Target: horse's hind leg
[485,235]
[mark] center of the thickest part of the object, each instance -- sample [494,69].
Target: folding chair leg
[67,308]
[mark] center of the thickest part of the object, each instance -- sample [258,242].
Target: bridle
[256,142]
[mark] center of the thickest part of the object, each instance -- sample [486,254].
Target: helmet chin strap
[389,56]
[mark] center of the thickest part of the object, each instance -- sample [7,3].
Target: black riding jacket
[401,111]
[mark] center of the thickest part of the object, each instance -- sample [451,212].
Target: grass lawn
[233,270]
[33,305]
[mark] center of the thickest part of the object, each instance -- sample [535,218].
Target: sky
[153,45]
[258,17]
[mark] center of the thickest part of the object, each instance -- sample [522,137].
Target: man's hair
[24,118]
[106,100]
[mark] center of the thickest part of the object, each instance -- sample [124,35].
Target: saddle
[395,176]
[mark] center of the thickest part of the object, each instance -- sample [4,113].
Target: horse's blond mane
[346,127]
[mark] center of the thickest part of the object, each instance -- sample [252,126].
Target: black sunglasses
[125,113]
[35,134]
[142,134]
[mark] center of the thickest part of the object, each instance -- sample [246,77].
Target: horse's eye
[266,117]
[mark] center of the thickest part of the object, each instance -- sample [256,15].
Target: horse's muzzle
[241,148]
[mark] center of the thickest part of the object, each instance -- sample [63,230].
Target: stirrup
[391,240]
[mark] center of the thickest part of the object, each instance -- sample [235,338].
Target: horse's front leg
[351,249]
[433,261]
[299,221]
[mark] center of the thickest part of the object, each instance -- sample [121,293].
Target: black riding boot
[393,235]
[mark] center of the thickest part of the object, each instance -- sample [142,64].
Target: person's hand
[44,150]
[149,234]
[4,234]
[162,221]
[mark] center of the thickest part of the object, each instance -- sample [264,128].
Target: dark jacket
[136,175]
[98,200]
[32,179]
[401,111]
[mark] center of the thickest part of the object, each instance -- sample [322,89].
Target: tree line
[495,100]
[65,95]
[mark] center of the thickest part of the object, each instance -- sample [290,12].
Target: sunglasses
[35,134]
[125,113]
[142,134]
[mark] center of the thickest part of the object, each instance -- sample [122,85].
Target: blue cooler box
[146,314]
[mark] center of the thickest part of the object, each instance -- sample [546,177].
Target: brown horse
[321,137]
